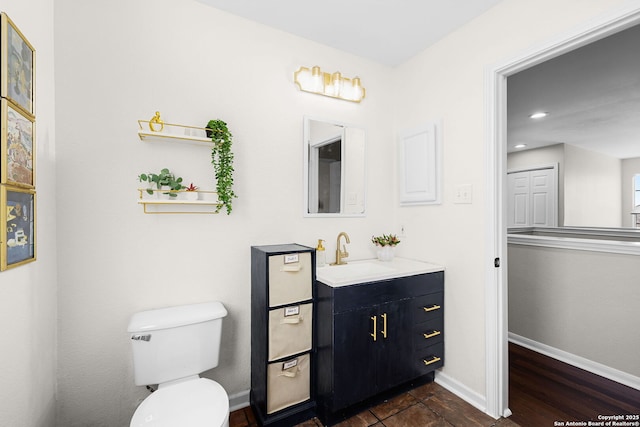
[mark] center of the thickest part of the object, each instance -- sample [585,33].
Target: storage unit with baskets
[282,337]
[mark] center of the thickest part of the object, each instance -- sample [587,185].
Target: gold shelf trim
[171,131]
[177,202]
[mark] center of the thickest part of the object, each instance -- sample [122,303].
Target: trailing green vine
[222,160]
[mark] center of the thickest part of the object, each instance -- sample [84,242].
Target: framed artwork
[18,236]
[16,146]
[18,67]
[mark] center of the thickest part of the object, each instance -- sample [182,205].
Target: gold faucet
[341,253]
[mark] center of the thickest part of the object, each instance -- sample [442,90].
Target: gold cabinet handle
[432,360]
[384,325]
[432,308]
[375,326]
[432,334]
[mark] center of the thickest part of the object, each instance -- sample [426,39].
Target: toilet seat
[194,403]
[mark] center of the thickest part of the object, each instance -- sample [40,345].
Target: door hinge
[496,262]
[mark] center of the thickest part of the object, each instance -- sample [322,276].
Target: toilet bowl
[171,347]
[195,402]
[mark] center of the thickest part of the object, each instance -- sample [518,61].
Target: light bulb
[336,81]
[317,81]
[357,89]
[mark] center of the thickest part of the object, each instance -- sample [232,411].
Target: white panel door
[518,200]
[543,198]
[532,198]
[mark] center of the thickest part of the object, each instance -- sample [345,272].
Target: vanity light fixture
[334,85]
[519,146]
[538,115]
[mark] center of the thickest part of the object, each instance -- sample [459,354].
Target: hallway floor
[429,405]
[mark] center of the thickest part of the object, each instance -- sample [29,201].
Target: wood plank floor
[543,390]
[542,393]
[429,405]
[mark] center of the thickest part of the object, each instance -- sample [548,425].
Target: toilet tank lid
[173,317]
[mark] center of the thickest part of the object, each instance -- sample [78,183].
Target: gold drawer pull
[375,327]
[432,308]
[434,360]
[432,334]
[384,328]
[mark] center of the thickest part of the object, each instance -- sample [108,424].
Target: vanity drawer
[428,307]
[429,358]
[290,277]
[288,383]
[290,330]
[428,333]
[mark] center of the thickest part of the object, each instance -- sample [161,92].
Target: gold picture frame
[18,235]
[17,146]
[17,62]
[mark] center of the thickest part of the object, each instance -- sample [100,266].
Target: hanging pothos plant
[222,160]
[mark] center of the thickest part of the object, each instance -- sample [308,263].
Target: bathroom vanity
[380,327]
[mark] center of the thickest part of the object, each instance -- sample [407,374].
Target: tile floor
[429,405]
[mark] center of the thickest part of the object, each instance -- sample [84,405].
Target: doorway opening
[496,324]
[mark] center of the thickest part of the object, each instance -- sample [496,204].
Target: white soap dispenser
[320,256]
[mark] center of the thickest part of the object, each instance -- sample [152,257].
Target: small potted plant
[165,181]
[146,177]
[191,192]
[385,246]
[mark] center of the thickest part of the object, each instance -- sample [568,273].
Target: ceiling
[592,94]
[386,31]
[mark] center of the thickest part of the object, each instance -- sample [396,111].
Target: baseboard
[462,391]
[577,361]
[239,401]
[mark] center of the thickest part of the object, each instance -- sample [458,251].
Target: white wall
[592,188]
[28,293]
[121,61]
[446,82]
[601,186]
[630,167]
[581,302]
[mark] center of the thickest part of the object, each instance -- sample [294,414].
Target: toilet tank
[175,342]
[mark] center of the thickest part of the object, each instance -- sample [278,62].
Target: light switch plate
[463,194]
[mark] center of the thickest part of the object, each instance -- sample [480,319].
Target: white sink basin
[371,270]
[363,269]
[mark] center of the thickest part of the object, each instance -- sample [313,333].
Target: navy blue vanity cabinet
[282,334]
[428,311]
[383,361]
[371,340]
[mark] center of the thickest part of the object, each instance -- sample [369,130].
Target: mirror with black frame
[334,169]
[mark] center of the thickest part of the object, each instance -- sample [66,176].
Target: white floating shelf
[154,205]
[173,132]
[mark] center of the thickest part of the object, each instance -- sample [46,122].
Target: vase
[385,253]
[163,192]
[191,195]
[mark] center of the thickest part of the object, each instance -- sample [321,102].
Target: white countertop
[370,270]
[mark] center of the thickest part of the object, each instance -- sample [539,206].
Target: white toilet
[171,347]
